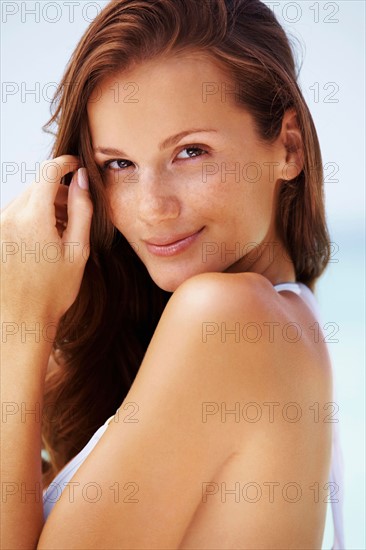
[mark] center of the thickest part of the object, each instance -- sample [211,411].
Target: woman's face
[187,159]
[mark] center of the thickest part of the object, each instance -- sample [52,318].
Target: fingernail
[83,180]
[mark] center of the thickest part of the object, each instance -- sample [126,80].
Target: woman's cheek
[120,206]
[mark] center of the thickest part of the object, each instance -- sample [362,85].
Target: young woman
[179,377]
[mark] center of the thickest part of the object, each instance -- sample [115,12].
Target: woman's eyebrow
[169,142]
[172,140]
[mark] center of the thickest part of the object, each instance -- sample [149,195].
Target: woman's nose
[156,201]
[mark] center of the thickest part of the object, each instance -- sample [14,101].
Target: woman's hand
[45,243]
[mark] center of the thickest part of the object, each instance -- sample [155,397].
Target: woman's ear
[291,140]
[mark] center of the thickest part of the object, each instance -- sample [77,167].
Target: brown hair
[102,338]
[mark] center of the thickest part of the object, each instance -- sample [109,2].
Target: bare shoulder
[218,403]
[231,290]
[267,381]
[225,296]
[269,336]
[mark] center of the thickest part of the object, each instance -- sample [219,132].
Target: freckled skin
[177,190]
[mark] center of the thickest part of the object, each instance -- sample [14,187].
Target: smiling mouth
[173,247]
[171,240]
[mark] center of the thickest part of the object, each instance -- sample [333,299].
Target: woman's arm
[24,362]
[142,484]
[36,291]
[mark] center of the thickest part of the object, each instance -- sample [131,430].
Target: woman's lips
[173,248]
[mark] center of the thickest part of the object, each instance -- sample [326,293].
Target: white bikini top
[53,492]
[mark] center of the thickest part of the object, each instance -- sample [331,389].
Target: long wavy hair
[102,338]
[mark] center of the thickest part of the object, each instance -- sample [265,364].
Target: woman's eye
[195,149]
[119,164]
[122,164]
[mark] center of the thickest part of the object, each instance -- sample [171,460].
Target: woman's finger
[52,171]
[80,212]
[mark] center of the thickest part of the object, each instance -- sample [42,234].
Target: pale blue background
[37,52]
